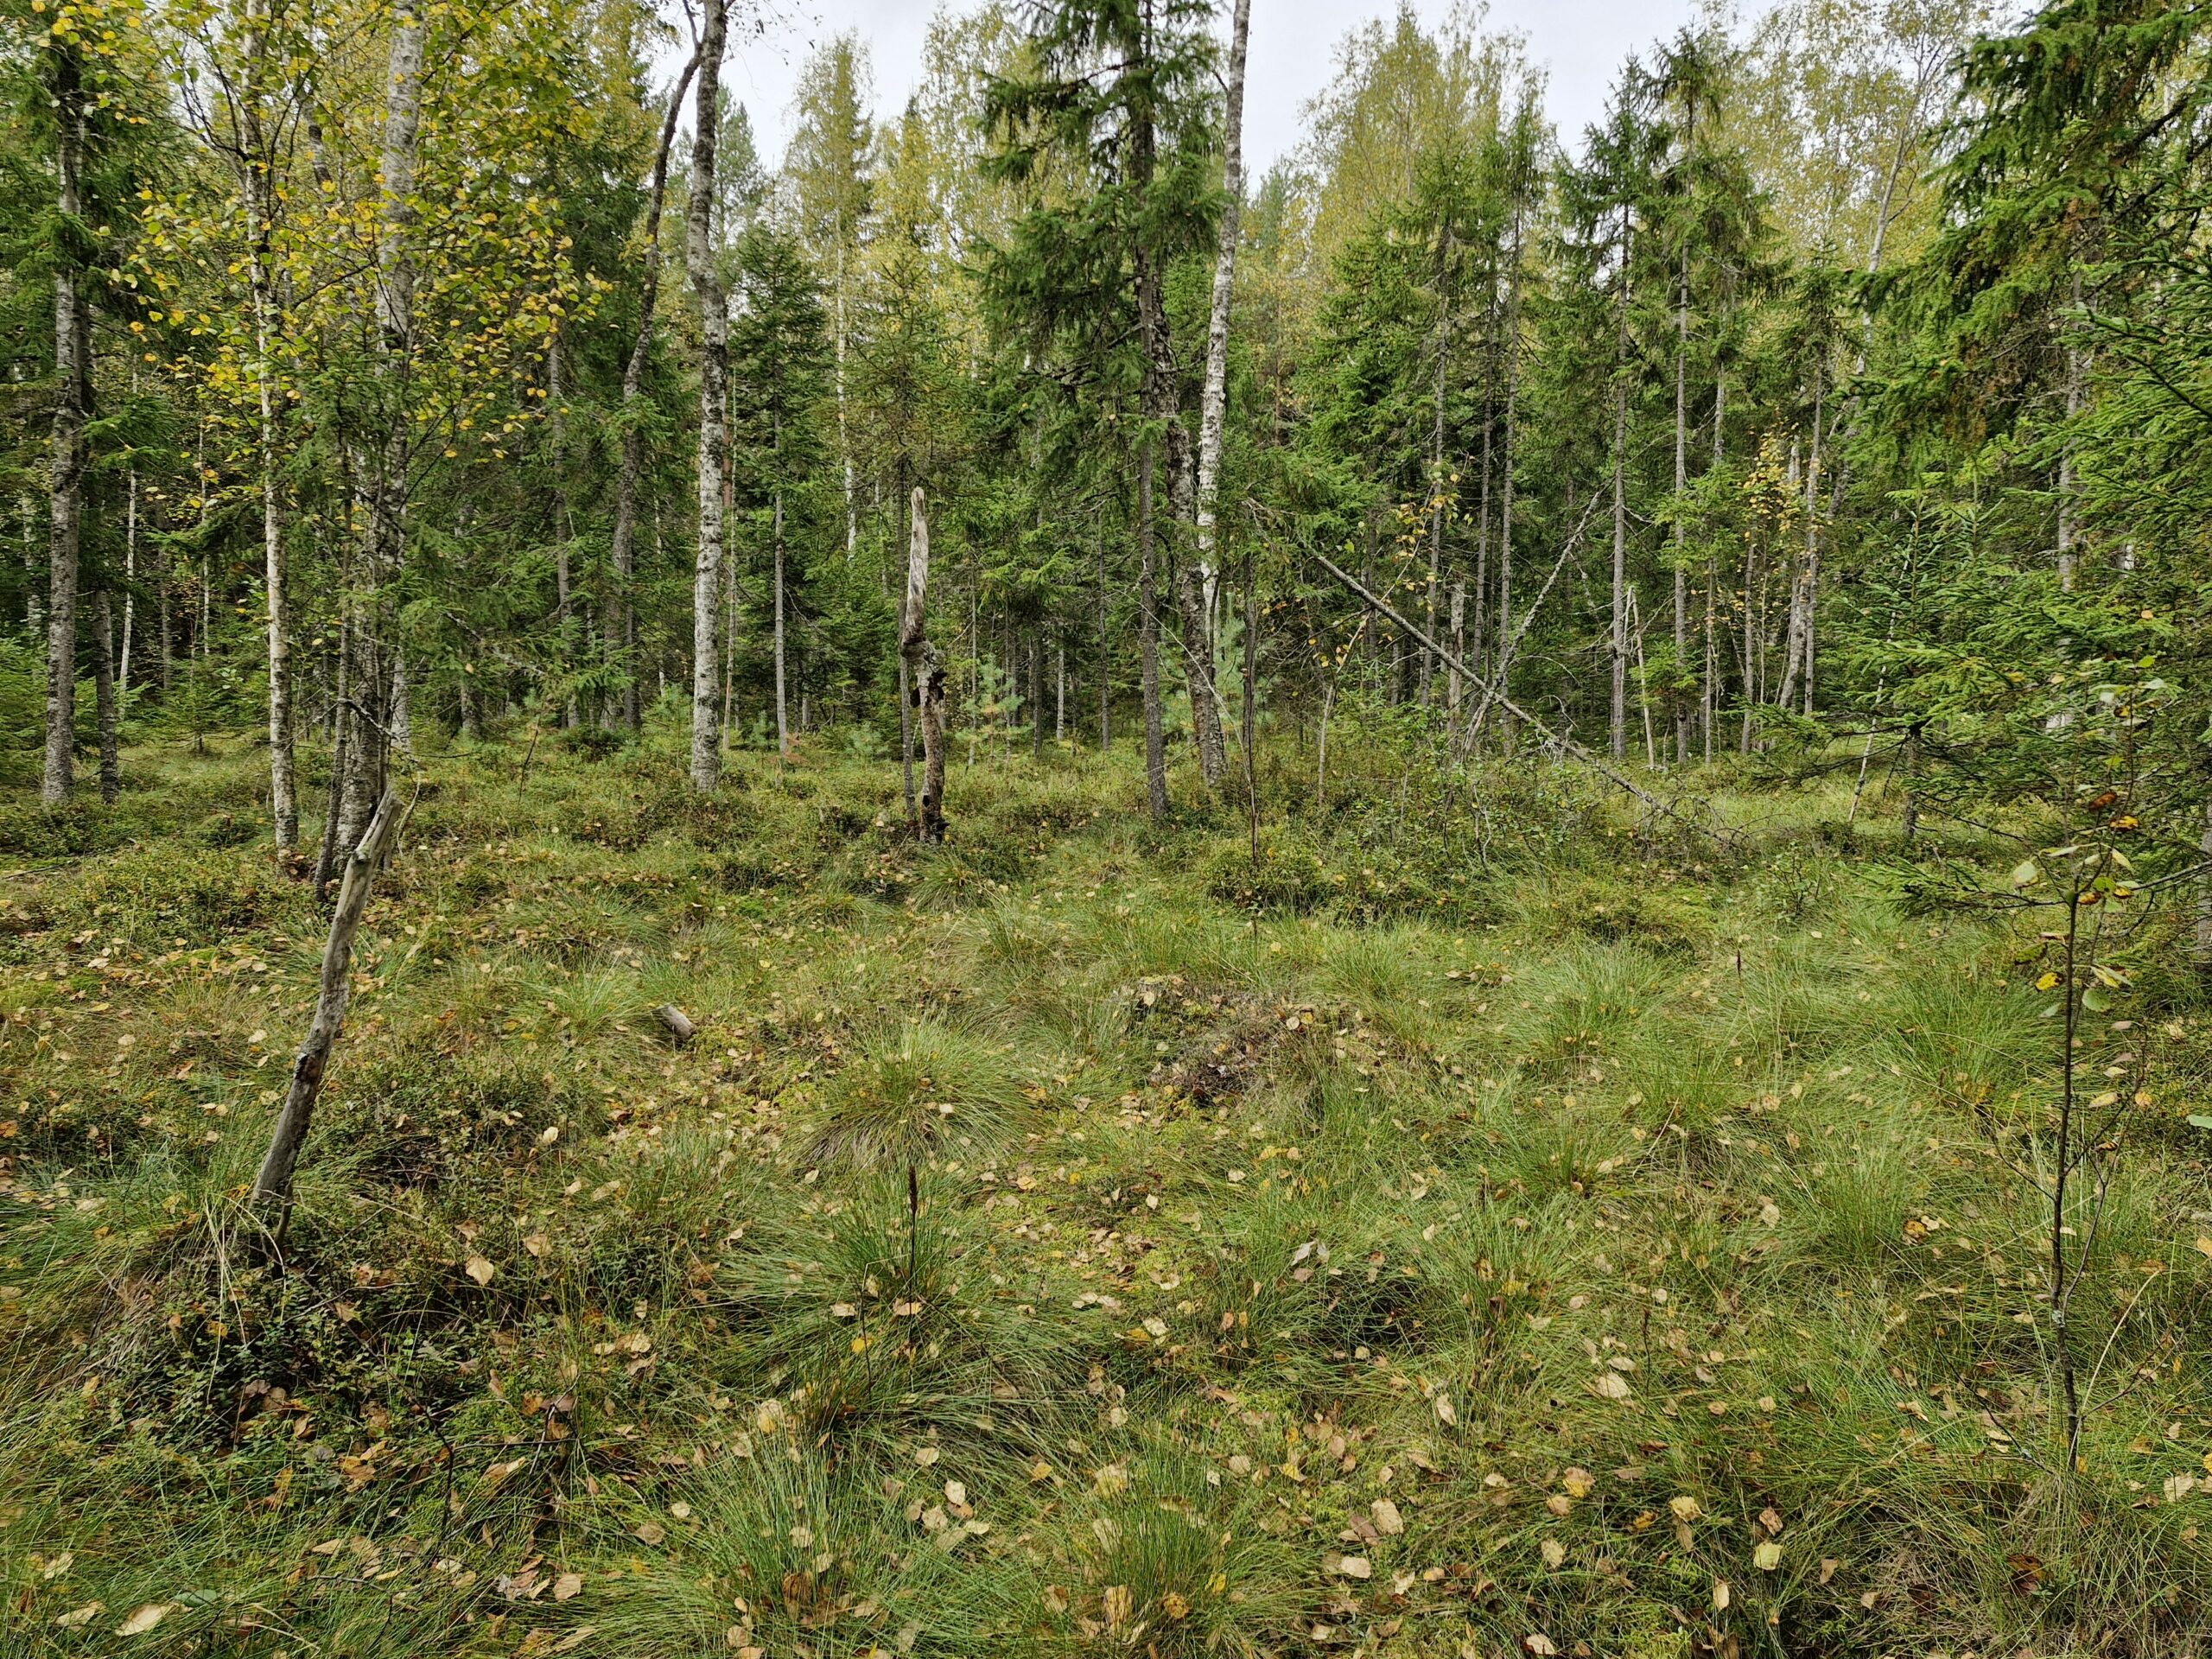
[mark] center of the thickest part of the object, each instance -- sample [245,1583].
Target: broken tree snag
[678,1022]
[272,1187]
[927,671]
[1565,744]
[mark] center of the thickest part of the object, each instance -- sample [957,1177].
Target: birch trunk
[783,724]
[622,549]
[1619,726]
[365,713]
[272,1186]
[1750,641]
[1798,657]
[257,190]
[1710,694]
[1214,401]
[1682,483]
[2067,557]
[714,379]
[1105,674]
[926,671]
[1155,742]
[73,383]
[1505,477]
[1161,406]
[109,715]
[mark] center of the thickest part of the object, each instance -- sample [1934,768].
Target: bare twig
[1560,739]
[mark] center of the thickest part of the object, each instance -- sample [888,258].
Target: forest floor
[1474,1229]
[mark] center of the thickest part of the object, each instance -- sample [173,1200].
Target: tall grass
[1052,1245]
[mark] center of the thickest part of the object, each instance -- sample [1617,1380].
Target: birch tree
[714,416]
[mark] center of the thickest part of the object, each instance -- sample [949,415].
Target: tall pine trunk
[713,414]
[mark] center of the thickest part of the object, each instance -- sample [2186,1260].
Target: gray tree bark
[623,542]
[109,713]
[1155,736]
[365,715]
[1618,728]
[72,385]
[255,167]
[272,1186]
[714,381]
[1161,406]
[1214,401]
[1682,483]
[783,727]
[926,671]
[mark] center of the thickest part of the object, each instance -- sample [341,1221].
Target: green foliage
[1235,1210]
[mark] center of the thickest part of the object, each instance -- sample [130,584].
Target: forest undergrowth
[1475,1226]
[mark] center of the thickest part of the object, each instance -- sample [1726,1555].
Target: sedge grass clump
[1559,1147]
[1490,1280]
[1964,1037]
[1666,919]
[910,1089]
[781,1550]
[653,1217]
[1296,1285]
[404,1125]
[1588,1005]
[885,1310]
[1167,1555]
[585,1005]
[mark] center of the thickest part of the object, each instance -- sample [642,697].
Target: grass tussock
[1472,1227]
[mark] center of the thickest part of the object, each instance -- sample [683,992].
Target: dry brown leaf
[145,1618]
[1388,1520]
[480,1270]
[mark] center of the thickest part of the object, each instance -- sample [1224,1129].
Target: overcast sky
[1581,42]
